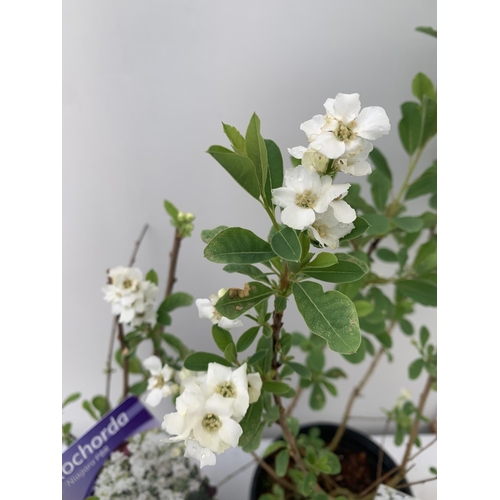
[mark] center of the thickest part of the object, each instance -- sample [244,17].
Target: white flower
[327,230]
[343,126]
[311,158]
[229,384]
[354,162]
[197,452]
[206,309]
[404,396]
[343,212]
[254,386]
[303,195]
[158,383]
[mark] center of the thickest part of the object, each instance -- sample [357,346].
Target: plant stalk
[125,353]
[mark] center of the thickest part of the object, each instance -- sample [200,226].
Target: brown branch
[125,353]
[418,482]
[109,359]
[272,473]
[380,480]
[234,474]
[174,254]
[381,452]
[294,402]
[354,394]
[421,450]
[373,246]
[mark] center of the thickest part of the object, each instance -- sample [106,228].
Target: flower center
[344,133]
[127,283]
[160,382]
[211,422]
[226,390]
[322,229]
[307,199]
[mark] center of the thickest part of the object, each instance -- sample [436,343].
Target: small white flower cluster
[149,469]
[209,408]
[131,296]
[206,309]
[160,384]
[338,141]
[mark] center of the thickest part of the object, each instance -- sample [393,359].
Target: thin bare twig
[381,479]
[421,450]
[422,481]
[381,452]
[125,352]
[294,402]
[234,474]
[174,254]
[272,473]
[109,370]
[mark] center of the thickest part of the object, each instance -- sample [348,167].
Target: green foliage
[235,138]
[300,369]
[286,244]
[361,225]
[281,463]
[410,126]
[236,245]
[427,30]
[236,302]
[380,179]
[198,361]
[221,337]
[256,150]
[152,276]
[275,175]
[342,272]
[208,234]
[420,291]
[252,426]
[246,340]
[175,343]
[71,398]
[248,270]
[275,387]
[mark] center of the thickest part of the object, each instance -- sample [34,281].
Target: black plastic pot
[352,441]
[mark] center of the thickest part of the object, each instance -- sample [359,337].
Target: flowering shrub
[228,399]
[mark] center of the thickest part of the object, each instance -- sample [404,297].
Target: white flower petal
[220,406]
[216,374]
[254,387]
[154,397]
[230,432]
[343,212]
[344,108]
[153,364]
[228,324]
[297,152]
[312,127]
[301,179]
[359,168]
[173,423]
[372,123]
[283,196]
[205,308]
[329,145]
[195,451]
[297,217]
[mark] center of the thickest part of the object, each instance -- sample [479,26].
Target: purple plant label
[83,460]
[386,493]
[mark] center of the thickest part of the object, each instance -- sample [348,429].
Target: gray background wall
[145,88]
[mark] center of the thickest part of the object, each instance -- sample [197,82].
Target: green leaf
[427,30]
[424,335]
[256,149]
[264,344]
[335,373]
[246,340]
[275,387]
[236,139]
[409,224]
[71,398]
[257,357]
[317,398]
[343,272]
[433,470]
[429,113]
[139,388]
[286,244]
[409,126]
[198,361]
[275,175]
[230,352]
[380,189]
[251,423]
[359,355]
[152,276]
[423,86]
[302,370]
[363,307]
[425,184]
[281,463]
[176,344]
[294,425]
[379,224]
[221,337]
[406,326]
[248,270]
[172,211]
[330,387]
[387,255]
[322,260]
[415,368]
[316,360]
[88,407]
[240,168]
[208,234]
[380,163]
[433,201]
[134,364]
[234,303]
[174,301]
[357,202]
[330,315]
[101,404]
[236,245]
[273,447]
[420,291]
[361,225]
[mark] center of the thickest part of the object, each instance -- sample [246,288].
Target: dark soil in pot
[358,454]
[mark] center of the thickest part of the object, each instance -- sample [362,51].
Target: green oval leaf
[152,276]
[317,398]
[71,398]
[361,225]
[275,175]
[330,315]
[234,303]
[323,259]
[415,368]
[236,139]
[409,224]
[286,244]
[248,270]
[423,292]
[275,387]
[256,149]
[221,337]
[246,340]
[198,361]
[281,463]
[236,245]
[343,272]
[379,224]
[208,234]
[301,370]
[410,126]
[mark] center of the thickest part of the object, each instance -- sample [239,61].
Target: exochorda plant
[320,252]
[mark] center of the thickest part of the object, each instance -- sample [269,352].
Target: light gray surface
[145,88]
